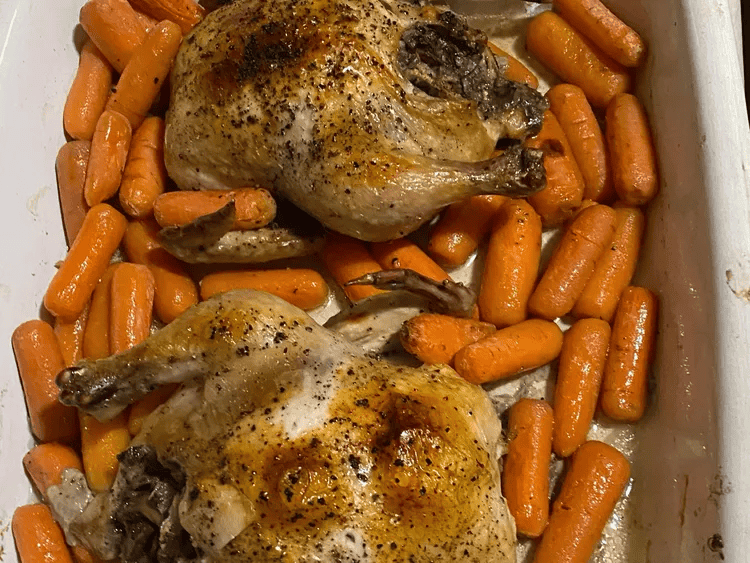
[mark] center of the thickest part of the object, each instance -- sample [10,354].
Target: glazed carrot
[575,59]
[143,77]
[347,259]
[140,410]
[301,287]
[39,360]
[131,306]
[511,265]
[184,13]
[435,339]
[579,377]
[515,70]
[88,94]
[573,262]
[526,468]
[564,191]
[615,267]
[509,351]
[45,464]
[145,176]
[631,350]
[88,258]
[175,290]
[592,486]
[69,334]
[631,150]
[83,555]
[96,335]
[608,32]
[114,28]
[101,442]
[109,152]
[70,167]
[403,253]
[254,207]
[462,227]
[582,131]
[38,537]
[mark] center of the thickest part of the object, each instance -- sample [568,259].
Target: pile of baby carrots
[115,196]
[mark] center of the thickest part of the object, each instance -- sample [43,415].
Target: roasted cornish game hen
[287,443]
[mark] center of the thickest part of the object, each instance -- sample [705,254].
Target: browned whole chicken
[370,115]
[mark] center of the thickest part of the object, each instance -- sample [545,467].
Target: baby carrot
[145,175]
[615,267]
[88,258]
[509,351]
[631,349]
[114,28]
[575,59]
[579,377]
[131,306]
[101,442]
[140,410]
[39,539]
[96,335]
[403,253]
[81,554]
[608,32]
[348,259]
[253,207]
[631,150]
[39,360]
[573,262]
[515,70]
[144,75]
[592,486]
[564,191]
[175,290]
[526,468]
[301,287]
[581,129]
[109,152]
[184,13]
[512,264]
[462,227]
[45,463]
[435,339]
[88,94]
[69,334]
[70,167]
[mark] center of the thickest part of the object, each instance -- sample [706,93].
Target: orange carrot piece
[114,28]
[88,94]
[563,193]
[579,378]
[575,59]
[69,335]
[143,77]
[608,32]
[435,339]
[81,554]
[573,262]
[96,335]
[38,537]
[303,288]
[631,150]
[585,137]
[254,207]
[592,486]
[347,259]
[109,152]
[131,306]
[509,351]
[45,464]
[631,349]
[185,13]
[148,404]
[462,227]
[101,442]
[39,360]
[511,266]
[615,267]
[88,258]
[403,253]
[175,291]
[516,70]
[70,167]
[145,176]
[526,467]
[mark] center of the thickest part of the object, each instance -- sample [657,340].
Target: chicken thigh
[370,115]
[286,443]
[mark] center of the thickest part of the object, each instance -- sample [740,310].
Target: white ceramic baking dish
[690,498]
